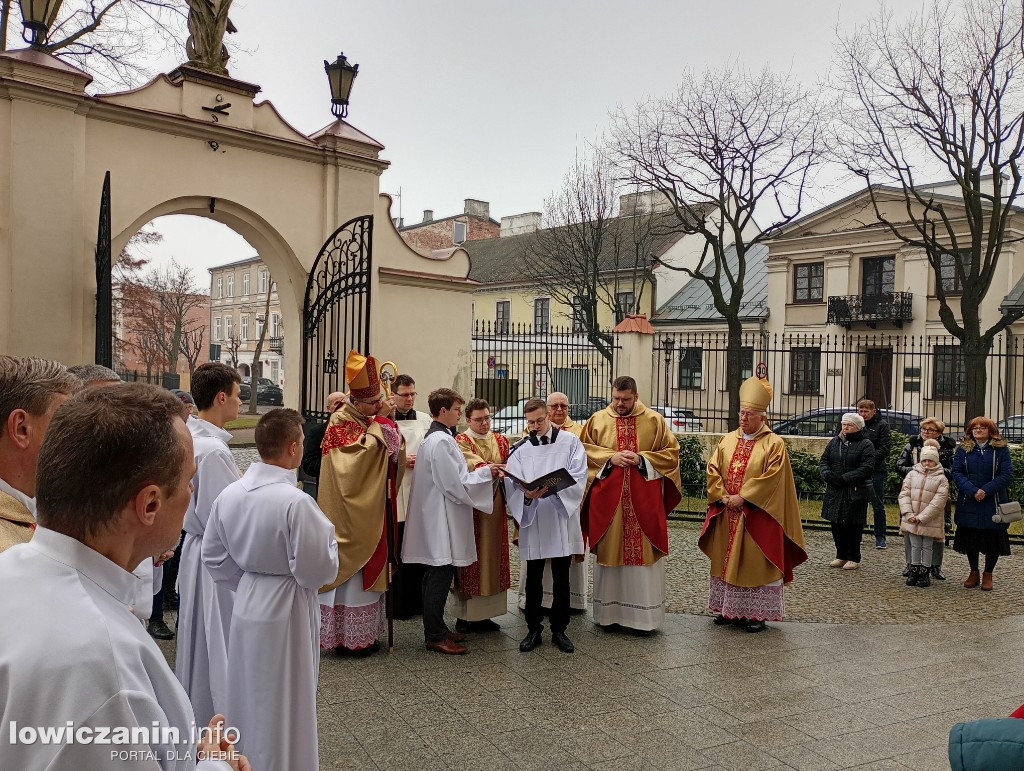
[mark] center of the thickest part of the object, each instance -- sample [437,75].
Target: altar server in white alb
[439,522]
[271,544]
[113,484]
[549,525]
[204,607]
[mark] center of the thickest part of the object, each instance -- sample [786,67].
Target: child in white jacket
[922,503]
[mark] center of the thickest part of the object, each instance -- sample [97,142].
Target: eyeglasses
[536,423]
[929,430]
[405,396]
[562,407]
[480,419]
[371,402]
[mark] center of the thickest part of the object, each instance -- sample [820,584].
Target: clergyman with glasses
[363,463]
[558,414]
[480,589]
[408,579]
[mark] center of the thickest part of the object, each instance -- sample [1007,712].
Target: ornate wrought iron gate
[104,292]
[336,313]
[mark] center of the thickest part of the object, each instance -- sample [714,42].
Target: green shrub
[692,468]
[806,470]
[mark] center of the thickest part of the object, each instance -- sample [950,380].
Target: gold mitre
[756,393]
[362,376]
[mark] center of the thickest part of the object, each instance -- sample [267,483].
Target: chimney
[517,224]
[477,208]
[645,202]
[428,215]
[399,221]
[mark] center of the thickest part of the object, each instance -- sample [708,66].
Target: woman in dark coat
[983,472]
[846,466]
[931,428]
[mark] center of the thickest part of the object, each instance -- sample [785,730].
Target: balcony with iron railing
[277,344]
[887,308]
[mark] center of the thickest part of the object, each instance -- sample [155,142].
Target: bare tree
[257,360]
[110,39]
[232,345]
[727,145]
[157,308]
[940,95]
[126,269]
[193,341]
[590,255]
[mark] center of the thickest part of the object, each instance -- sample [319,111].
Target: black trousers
[407,584]
[559,590]
[847,538]
[437,580]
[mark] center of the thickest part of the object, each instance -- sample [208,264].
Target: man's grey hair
[30,383]
[91,374]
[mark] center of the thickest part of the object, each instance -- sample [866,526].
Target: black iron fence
[165,379]
[918,375]
[512,362]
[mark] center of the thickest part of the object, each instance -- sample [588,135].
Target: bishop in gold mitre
[363,460]
[752,530]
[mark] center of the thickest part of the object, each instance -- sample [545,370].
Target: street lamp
[340,74]
[37,16]
[668,343]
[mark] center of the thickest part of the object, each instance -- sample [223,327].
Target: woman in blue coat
[982,471]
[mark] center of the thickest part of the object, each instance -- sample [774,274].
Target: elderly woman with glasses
[983,473]
[931,428]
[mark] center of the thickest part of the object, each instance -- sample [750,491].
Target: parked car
[825,422]
[1012,428]
[680,420]
[582,411]
[268,392]
[186,397]
[510,420]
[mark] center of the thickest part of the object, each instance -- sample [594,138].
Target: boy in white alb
[549,524]
[204,608]
[270,543]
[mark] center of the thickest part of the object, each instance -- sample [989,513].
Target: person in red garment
[633,465]
[752,530]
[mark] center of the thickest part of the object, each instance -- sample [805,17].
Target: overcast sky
[490,100]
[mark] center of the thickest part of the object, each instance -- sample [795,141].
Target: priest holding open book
[548,517]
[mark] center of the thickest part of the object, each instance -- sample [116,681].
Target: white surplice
[548,527]
[413,431]
[204,607]
[439,523]
[271,544]
[145,575]
[71,650]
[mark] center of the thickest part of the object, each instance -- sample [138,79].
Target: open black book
[555,481]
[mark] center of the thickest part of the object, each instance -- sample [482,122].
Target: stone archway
[285,269]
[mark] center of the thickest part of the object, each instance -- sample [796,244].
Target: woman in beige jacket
[922,506]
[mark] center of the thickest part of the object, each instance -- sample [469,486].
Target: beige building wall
[282,191]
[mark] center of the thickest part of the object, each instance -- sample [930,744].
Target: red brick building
[473,224]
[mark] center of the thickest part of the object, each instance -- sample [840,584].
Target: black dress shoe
[158,629]
[531,641]
[487,625]
[756,626]
[462,626]
[564,643]
[937,573]
[721,620]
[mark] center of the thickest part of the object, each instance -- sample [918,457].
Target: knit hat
[930,451]
[853,417]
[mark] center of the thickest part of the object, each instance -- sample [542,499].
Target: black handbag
[862,491]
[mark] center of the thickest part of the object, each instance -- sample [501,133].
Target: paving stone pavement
[877,687]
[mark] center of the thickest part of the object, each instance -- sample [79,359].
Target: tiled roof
[500,260]
[694,302]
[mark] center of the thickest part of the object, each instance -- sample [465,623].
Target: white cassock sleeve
[216,471]
[129,709]
[312,545]
[569,500]
[221,567]
[456,483]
